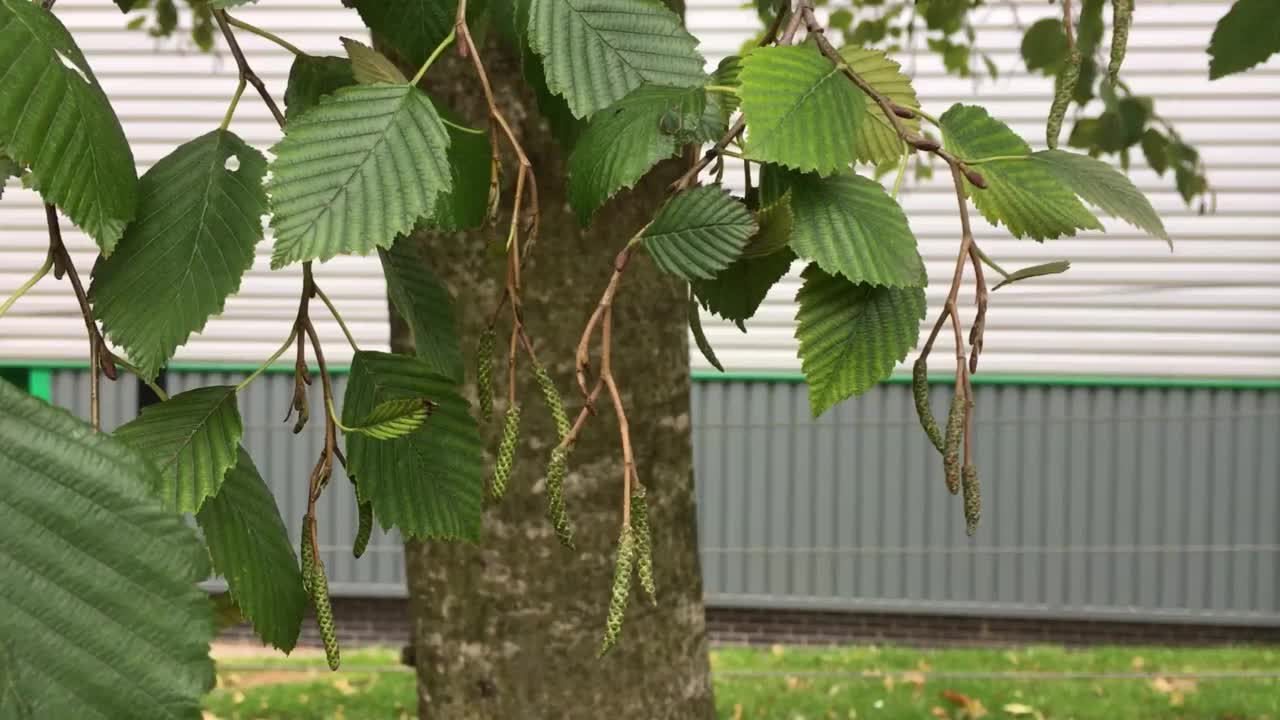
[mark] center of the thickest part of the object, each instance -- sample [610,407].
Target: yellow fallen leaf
[939,713]
[1137,663]
[888,683]
[737,711]
[1022,710]
[237,697]
[343,686]
[778,650]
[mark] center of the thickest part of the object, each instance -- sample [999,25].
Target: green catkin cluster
[1066,88]
[920,391]
[557,469]
[555,404]
[506,452]
[621,589]
[1121,20]
[364,530]
[324,616]
[644,543]
[308,557]
[955,437]
[972,499]
[484,372]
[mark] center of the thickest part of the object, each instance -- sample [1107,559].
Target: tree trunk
[510,628]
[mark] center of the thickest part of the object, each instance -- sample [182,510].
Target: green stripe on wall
[741,377]
[40,383]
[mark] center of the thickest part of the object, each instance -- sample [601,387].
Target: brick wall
[384,621]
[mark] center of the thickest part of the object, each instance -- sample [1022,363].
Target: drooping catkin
[555,404]
[920,391]
[506,452]
[972,499]
[557,469]
[1065,90]
[484,372]
[324,616]
[364,530]
[644,542]
[955,437]
[307,554]
[1121,21]
[621,594]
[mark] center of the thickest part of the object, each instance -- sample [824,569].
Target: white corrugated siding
[1127,307]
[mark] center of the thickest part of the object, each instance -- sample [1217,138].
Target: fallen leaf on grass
[343,686]
[1137,663]
[1021,710]
[939,712]
[237,697]
[737,711]
[970,708]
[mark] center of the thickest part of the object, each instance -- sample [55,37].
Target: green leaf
[99,606]
[776,223]
[465,205]
[1155,147]
[595,52]
[875,140]
[250,547]
[698,232]
[736,292]
[370,66]
[622,142]
[1056,267]
[313,77]
[1021,194]
[8,168]
[413,27]
[850,226]
[426,305]
[191,438]
[801,111]
[852,335]
[1106,188]
[55,119]
[429,483]
[393,418]
[331,168]
[1044,46]
[221,4]
[199,219]
[1247,35]
[700,336]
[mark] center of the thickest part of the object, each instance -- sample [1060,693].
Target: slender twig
[237,22]
[246,72]
[1067,26]
[136,371]
[30,283]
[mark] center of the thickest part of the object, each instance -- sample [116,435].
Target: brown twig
[1067,26]
[246,72]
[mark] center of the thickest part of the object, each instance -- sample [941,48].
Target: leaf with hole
[198,223]
[99,609]
[56,120]
[698,232]
[1021,194]
[192,439]
[852,335]
[250,547]
[595,52]
[326,191]
[429,483]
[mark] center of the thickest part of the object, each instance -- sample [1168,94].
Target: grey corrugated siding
[1134,503]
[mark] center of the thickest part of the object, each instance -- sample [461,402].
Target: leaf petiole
[264,34]
[235,100]
[995,158]
[270,361]
[448,40]
[336,316]
[26,286]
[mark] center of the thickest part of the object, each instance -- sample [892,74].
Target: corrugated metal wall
[1135,503]
[1128,307]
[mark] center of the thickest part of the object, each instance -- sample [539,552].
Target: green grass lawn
[844,683]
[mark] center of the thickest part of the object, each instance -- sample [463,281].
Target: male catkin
[324,616]
[364,530]
[557,469]
[1121,21]
[920,391]
[551,396]
[972,499]
[1065,89]
[621,589]
[308,557]
[484,372]
[506,452]
[644,542]
[955,437]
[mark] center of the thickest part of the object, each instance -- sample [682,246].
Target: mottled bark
[509,628]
